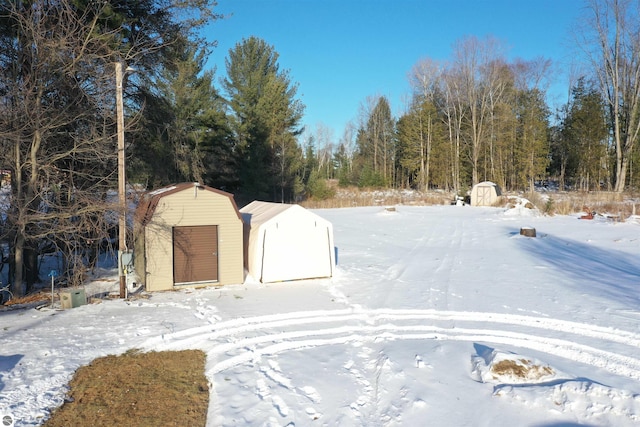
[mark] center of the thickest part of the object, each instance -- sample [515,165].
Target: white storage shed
[286,242]
[485,193]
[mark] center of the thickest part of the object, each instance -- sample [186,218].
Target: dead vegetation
[350,197]
[602,202]
[522,368]
[613,205]
[34,298]
[138,389]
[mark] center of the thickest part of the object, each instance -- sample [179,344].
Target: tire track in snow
[254,337]
[613,362]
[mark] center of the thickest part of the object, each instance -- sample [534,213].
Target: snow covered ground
[439,316]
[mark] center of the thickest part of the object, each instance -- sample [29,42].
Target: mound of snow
[588,401]
[520,206]
[634,219]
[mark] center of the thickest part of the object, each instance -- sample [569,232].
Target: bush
[318,188]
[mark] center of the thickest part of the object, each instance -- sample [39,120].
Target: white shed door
[484,196]
[293,253]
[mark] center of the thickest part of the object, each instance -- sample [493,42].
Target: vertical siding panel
[191,208]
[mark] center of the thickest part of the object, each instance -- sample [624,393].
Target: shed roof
[486,184]
[149,201]
[257,213]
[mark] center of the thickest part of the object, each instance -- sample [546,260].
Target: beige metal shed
[485,193]
[188,234]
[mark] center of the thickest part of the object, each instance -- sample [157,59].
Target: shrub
[318,188]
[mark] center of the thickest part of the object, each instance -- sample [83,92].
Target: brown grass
[612,204]
[138,389]
[524,369]
[39,296]
[354,197]
[608,203]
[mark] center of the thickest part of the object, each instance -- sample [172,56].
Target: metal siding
[195,254]
[193,208]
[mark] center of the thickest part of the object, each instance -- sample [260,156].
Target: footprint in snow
[280,406]
[143,331]
[313,414]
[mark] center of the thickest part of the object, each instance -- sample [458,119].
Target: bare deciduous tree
[454,110]
[474,59]
[610,38]
[57,120]
[56,134]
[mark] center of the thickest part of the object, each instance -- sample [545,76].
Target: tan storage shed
[286,242]
[485,193]
[187,234]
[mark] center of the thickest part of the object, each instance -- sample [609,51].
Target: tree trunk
[528,232]
[621,174]
[18,286]
[31,275]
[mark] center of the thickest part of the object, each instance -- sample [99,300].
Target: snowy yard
[439,316]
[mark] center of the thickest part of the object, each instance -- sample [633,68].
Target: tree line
[475,117]
[479,116]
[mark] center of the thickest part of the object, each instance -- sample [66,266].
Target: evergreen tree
[310,160]
[585,129]
[563,154]
[376,146]
[580,151]
[532,137]
[418,132]
[342,166]
[265,121]
[185,130]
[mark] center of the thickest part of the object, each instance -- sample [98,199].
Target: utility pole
[122,198]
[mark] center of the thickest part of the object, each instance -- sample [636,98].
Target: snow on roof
[162,190]
[258,212]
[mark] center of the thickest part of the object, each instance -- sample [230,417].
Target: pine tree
[418,133]
[184,125]
[376,146]
[585,129]
[265,121]
[532,137]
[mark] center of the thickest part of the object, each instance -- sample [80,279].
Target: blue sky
[342,51]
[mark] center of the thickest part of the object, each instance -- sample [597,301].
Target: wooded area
[475,117]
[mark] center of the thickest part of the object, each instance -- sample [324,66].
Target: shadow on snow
[614,275]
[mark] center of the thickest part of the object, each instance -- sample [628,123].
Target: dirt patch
[138,389]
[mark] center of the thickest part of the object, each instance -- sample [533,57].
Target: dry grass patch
[138,389]
[609,203]
[522,368]
[348,197]
[612,205]
[32,298]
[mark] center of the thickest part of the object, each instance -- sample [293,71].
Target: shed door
[195,254]
[484,196]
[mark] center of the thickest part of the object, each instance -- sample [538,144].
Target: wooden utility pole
[122,199]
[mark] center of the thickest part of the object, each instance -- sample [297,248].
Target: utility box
[72,298]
